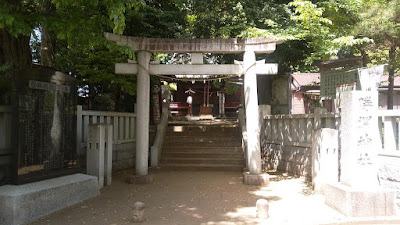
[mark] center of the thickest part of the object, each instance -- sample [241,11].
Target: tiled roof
[385,83]
[313,79]
[307,79]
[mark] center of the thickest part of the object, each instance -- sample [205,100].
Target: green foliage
[157,19]
[216,19]
[228,87]
[311,31]
[19,18]
[94,67]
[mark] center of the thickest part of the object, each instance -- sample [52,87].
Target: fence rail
[389,125]
[124,125]
[296,129]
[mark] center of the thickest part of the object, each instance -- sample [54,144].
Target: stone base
[136,179]
[22,204]
[360,203]
[256,179]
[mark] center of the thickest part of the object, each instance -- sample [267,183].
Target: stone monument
[46,112]
[358,193]
[45,152]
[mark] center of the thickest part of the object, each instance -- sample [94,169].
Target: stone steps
[197,160]
[204,128]
[202,138]
[205,143]
[202,167]
[234,155]
[203,147]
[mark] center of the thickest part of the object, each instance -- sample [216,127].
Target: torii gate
[249,67]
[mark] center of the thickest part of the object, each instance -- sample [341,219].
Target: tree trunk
[118,99]
[47,48]
[364,57]
[48,45]
[392,60]
[15,50]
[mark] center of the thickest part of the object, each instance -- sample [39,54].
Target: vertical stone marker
[359,139]
[359,194]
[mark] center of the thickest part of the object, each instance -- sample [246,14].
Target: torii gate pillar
[142,113]
[251,104]
[254,176]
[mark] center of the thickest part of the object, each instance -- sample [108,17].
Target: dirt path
[211,198]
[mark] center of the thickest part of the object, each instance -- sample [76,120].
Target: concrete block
[360,202]
[21,204]
[256,179]
[139,179]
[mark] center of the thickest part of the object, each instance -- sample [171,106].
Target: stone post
[95,152]
[359,139]
[252,117]
[325,158]
[143,103]
[359,193]
[99,152]
[108,153]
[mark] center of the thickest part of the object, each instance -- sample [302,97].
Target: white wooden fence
[389,124]
[124,125]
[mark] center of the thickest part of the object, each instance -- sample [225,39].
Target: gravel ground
[210,198]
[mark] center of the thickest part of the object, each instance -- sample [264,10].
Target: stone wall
[124,156]
[294,160]
[389,173]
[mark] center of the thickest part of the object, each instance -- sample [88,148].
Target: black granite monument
[46,126]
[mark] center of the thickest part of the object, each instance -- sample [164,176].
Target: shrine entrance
[249,68]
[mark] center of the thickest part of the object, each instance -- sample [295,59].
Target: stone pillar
[252,117]
[95,152]
[359,194]
[325,158]
[142,113]
[359,139]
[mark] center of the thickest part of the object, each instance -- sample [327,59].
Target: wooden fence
[124,125]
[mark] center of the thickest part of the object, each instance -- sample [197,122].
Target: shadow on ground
[210,198]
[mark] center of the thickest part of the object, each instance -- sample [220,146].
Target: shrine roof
[307,79]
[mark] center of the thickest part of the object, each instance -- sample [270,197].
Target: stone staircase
[203,146]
